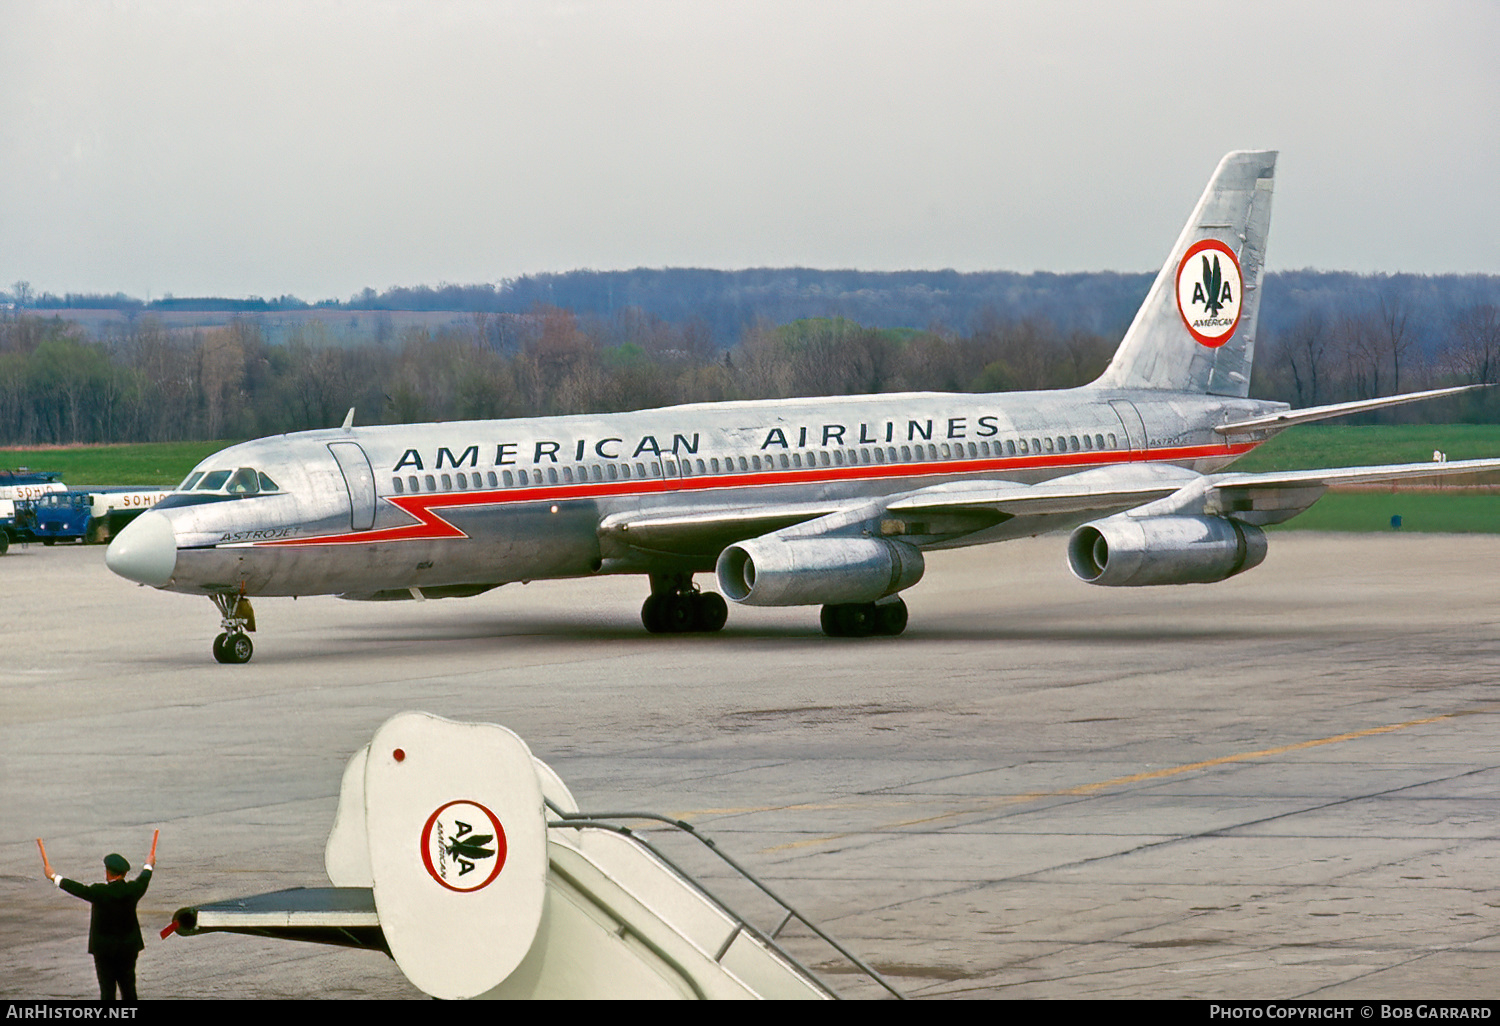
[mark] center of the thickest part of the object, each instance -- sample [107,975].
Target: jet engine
[1132,551]
[772,571]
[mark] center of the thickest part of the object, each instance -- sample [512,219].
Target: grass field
[86,466]
[1310,446]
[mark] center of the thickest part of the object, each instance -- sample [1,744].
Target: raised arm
[46,866]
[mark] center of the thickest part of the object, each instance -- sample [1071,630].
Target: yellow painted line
[1134,778]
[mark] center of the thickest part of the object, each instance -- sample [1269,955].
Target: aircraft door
[1130,420]
[360,480]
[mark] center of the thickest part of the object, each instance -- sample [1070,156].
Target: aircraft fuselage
[386,509]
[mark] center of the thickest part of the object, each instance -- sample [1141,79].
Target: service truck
[92,516]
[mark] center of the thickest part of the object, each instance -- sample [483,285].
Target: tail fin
[1196,330]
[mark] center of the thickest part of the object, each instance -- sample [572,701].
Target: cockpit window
[232,484]
[244,482]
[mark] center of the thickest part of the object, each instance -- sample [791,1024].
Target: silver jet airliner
[828,502]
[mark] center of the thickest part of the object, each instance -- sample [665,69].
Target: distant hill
[727,302]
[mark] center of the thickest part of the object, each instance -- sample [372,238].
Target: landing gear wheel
[234,645]
[890,618]
[710,613]
[676,607]
[862,619]
[233,648]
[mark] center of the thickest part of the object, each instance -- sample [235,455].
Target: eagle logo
[1209,288]
[463,846]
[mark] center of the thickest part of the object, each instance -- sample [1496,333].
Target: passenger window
[1113,443]
[703,469]
[1099,441]
[447,483]
[640,470]
[598,472]
[744,465]
[396,484]
[568,474]
[491,478]
[1073,443]
[838,457]
[1088,443]
[431,482]
[1036,445]
[411,483]
[463,482]
[614,472]
[508,478]
[879,455]
[1049,443]
[864,455]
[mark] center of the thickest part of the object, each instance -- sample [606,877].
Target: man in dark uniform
[114,932]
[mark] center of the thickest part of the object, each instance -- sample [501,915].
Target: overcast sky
[315,148]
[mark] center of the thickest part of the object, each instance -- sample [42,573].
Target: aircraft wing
[963,507]
[705,532]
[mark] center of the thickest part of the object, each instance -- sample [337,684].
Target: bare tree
[1473,353]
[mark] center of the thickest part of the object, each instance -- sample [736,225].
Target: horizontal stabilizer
[1277,421]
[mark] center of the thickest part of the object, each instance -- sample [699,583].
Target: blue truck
[92,516]
[17,489]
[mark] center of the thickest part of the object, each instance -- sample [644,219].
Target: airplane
[825,502]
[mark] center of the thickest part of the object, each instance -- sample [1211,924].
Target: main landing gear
[863,619]
[676,606]
[233,646]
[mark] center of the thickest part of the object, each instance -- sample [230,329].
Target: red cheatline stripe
[431,525]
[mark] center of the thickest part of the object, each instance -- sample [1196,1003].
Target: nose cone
[146,551]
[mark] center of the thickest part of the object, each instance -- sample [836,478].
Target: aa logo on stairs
[463,846]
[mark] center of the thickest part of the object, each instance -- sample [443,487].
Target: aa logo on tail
[1209,287]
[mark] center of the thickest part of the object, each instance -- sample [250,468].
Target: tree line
[145,381]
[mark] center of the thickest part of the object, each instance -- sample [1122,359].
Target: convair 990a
[821,502]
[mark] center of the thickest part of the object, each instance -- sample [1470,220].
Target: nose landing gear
[237,618]
[676,606]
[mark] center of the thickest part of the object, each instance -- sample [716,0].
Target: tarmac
[1283,786]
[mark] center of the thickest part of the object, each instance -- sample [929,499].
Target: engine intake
[771,571]
[1126,551]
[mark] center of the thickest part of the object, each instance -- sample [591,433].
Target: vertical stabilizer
[1196,330]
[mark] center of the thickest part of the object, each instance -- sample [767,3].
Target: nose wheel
[233,648]
[237,619]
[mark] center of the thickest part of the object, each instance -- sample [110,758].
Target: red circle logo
[463,846]
[1209,290]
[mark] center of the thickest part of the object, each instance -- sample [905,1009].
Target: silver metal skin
[797,501]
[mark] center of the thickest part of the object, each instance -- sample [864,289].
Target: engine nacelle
[773,571]
[1131,551]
